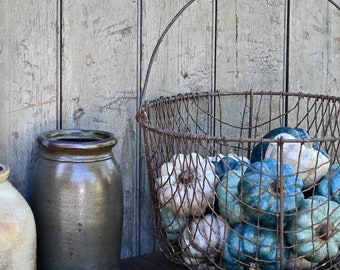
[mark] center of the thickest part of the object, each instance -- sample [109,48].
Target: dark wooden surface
[152,261]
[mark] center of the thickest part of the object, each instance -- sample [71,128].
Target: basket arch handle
[160,40]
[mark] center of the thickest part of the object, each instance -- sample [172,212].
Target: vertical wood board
[182,64]
[250,56]
[101,73]
[314,58]
[28,57]
[183,61]
[250,45]
[99,86]
[314,47]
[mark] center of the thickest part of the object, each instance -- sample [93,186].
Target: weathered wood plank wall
[88,73]
[314,49]
[99,85]
[29,82]
[251,45]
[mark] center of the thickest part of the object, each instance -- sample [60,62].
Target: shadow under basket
[246,180]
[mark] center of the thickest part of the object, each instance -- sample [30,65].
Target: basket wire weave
[188,139]
[183,124]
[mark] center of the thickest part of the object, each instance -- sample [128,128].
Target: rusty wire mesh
[219,204]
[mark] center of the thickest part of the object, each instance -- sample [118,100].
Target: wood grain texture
[315,48]
[250,56]
[28,68]
[104,65]
[250,45]
[99,86]
[182,64]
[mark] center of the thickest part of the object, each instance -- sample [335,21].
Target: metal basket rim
[187,95]
[143,119]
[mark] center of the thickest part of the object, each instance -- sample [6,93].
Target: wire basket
[246,180]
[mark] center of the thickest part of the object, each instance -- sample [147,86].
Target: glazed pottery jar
[17,227]
[77,201]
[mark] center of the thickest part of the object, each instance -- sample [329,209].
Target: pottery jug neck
[77,145]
